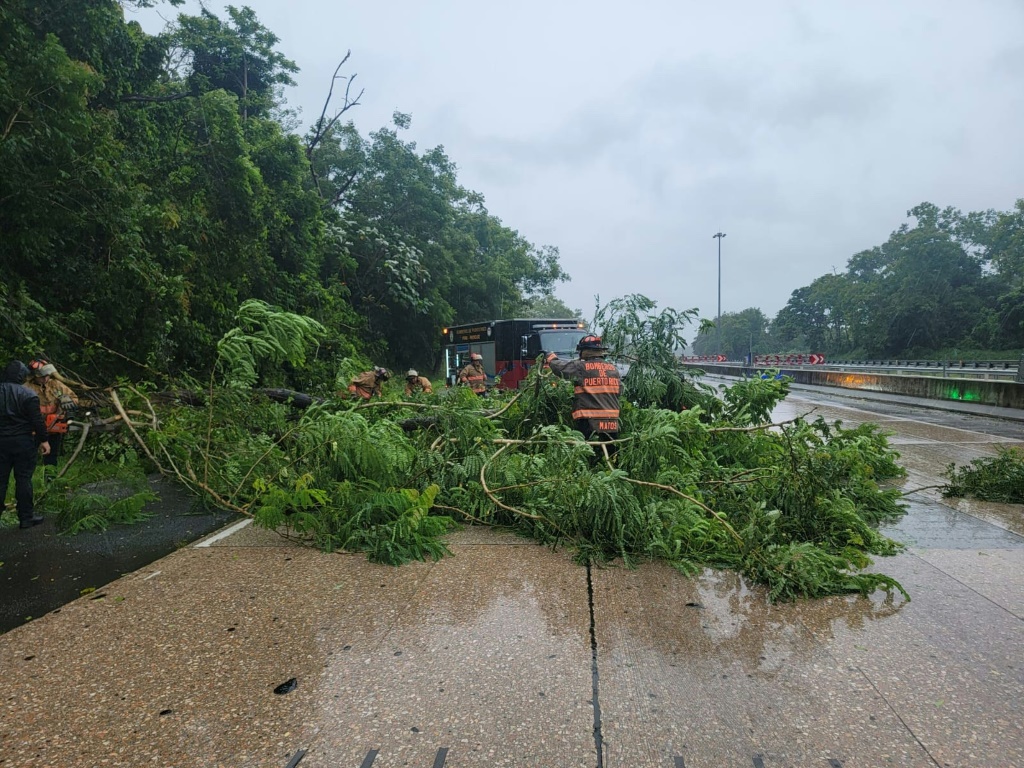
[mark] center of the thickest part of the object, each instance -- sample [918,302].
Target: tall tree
[424,251]
[237,56]
[549,306]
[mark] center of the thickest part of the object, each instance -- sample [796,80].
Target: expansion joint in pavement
[897,715]
[595,677]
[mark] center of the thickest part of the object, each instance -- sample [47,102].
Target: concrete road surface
[247,651]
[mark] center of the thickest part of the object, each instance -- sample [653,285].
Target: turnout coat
[595,407]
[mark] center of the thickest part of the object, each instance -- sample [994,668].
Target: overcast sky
[628,135]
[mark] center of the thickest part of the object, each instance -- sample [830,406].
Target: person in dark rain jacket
[22,437]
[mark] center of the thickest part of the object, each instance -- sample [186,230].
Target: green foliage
[238,436]
[85,511]
[751,401]
[237,56]
[651,343]
[264,335]
[393,526]
[105,486]
[417,250]
[735,335]
[160,171]
[804,570]
[794,507]
[547,305]
[990,479]
[182,212]
[951,281]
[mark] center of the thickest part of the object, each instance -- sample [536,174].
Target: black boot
[32,521]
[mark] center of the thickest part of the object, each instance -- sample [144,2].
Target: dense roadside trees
[151,184]
[741,333]
[951,284]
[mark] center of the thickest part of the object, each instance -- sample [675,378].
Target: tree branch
[689,498]
[120,409]
[755,428]
[139,98]
[323,126]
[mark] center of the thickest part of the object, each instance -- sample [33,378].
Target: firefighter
[473,375]
[57,402]
[415,383]
[369,383]
[595,407]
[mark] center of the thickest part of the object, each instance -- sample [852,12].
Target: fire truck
[509,347]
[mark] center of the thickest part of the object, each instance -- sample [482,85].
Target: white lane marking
[225,533]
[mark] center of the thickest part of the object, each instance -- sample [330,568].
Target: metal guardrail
[1005,365]
[995,370]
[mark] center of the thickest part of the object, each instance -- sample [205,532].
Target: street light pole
[718,323]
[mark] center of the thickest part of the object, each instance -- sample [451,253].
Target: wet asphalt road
[42,570]
[998,422]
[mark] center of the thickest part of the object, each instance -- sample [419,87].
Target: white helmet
[411,373]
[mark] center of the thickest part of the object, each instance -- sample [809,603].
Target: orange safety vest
[473,378]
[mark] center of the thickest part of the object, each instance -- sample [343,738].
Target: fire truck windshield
[562,343]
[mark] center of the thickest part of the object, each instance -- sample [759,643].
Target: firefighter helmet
[41,368]
[382,373]
[591,342]
[474,357]
[412,373]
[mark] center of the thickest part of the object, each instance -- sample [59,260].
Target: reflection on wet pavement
[932,525]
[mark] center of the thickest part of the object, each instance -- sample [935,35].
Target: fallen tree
[700,478]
